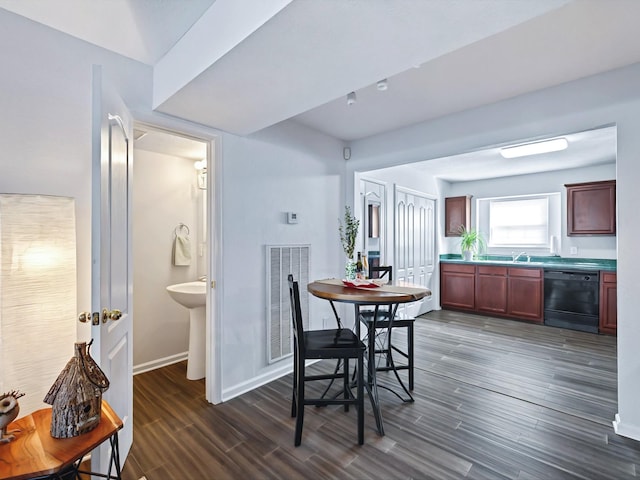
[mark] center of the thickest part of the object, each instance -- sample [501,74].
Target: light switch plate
[292,217]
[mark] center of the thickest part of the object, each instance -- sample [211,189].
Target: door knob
[114,314]
[94,317]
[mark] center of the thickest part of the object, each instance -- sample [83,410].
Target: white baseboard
[228,393]
[159,363]
[256,382]
[629,431]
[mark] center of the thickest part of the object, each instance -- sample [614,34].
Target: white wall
[45,94]
[588,247]
[280,170]
[45,130]
[409,177]
[165,195]
[45,126]
[406,176]
[605,99]
[45,133]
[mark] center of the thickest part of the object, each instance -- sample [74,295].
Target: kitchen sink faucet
[516,257]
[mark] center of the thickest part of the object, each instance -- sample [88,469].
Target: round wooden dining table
[335,290]
[389,296]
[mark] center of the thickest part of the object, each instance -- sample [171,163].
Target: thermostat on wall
[292,217]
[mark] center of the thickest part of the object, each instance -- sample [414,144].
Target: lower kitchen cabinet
[608,303]
[525,294]
[491,289]
[457,286]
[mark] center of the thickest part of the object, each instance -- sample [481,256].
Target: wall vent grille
[281,261]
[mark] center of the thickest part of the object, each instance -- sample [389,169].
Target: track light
[382,85]
[351,98]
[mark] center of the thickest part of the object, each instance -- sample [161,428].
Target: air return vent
[281,261]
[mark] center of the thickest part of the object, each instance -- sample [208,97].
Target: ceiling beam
[222,27]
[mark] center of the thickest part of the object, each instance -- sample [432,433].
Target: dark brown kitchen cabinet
[608,303]
[525,294]
[457,213]
[491,289]
[457,286]
[591,208]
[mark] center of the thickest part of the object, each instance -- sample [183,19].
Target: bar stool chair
[340,344]
[386,349]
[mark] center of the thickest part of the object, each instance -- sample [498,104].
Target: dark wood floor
[495,399]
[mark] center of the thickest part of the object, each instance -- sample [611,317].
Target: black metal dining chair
[386,348]
[341,344]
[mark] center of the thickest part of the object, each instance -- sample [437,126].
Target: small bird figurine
[9,409]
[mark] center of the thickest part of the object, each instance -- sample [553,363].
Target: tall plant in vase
[471,242]
[348,229]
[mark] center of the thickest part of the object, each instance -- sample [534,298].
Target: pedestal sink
[193,296]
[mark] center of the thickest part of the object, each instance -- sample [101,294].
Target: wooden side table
[36,454]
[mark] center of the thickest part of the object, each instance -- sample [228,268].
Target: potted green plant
[471,242]
[348,230]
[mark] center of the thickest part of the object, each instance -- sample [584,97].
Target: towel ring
[180,227]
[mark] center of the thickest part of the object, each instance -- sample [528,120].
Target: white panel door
[414,250]
[400,236]
[425,247]
[111,275]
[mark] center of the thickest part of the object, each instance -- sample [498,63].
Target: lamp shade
[37,293]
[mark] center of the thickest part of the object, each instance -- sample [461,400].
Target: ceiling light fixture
[382,85]
[535,148]
[201,175]
[351,98]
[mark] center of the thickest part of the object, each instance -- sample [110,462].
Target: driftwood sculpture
[76,395]
[9,409]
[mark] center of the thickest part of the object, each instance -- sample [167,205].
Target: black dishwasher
[571,299]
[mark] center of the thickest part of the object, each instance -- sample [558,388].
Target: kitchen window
[520,221]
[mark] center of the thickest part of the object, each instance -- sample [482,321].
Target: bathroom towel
[182,250]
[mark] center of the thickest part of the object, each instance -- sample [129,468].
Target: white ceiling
[140,29]
[160,141]
[244,65]
[590,148]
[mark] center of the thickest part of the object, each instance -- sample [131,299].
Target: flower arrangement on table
[348,229]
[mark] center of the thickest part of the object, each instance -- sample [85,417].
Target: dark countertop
[551,263]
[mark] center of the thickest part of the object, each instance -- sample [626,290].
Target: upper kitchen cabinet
[591,208]
[457,213]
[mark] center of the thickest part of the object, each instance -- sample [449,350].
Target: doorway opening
[170,243]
